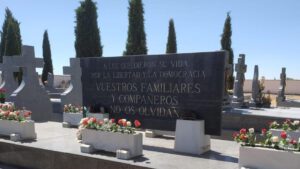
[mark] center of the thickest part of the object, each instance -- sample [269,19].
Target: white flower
[129,124]
[105,120]
[296,122]
[77,109]
[251,130]
[124,120]
[275,139]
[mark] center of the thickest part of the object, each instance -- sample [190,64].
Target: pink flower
[100,122]
[243,131]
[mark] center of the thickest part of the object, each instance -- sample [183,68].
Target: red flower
[283,135]
[263,131]
[27,114]
[243,131]
[17,113]
[112,120]
[243,137]
[124,123]
[293,142]
[85,121]
[137,123]
[120,122]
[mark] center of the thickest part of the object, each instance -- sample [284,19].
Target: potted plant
[263,154]
[72,115]
[2,95]
[16,125]
[110,136]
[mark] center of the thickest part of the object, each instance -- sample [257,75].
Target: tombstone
[281,92]
[9,83]
[73,94]
[30,94]
[158,89]
[255,99]
[238,92]
[226,98]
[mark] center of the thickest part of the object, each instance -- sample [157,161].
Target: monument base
[288,103]
[190,137]
[158,133]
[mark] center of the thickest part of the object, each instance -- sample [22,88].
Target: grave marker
[30,94]
[158,89]
[73,94]
[9,83]
[238,92]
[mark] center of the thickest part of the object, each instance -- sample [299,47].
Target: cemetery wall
[292,86]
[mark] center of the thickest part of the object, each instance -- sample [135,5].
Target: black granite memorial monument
[158,89]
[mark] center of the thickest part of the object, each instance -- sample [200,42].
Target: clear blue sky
[267,31]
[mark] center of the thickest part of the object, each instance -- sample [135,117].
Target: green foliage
[171,44]
[226,45]
[48,67]
[87,34]
[11,42]
[136,40]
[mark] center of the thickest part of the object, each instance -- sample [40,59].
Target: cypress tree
[48,67]
[87,34]
[8,16]
[171,44]
[11,43]
[136,38]
[226,45]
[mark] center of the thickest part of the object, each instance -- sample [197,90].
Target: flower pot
[2,100]
[73,119]
[111,142]
[265,158]
[99,116]
[292,134]
[25,129]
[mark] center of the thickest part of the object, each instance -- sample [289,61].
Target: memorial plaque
[158,89]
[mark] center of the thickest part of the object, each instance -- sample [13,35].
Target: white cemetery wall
[292,86]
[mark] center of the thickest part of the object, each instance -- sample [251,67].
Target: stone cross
[228,70]
[240,68]
[73,94]
[30,94]
[281,91]
[255,86]
[9,83]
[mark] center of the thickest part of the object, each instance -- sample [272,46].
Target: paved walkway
[158,152]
